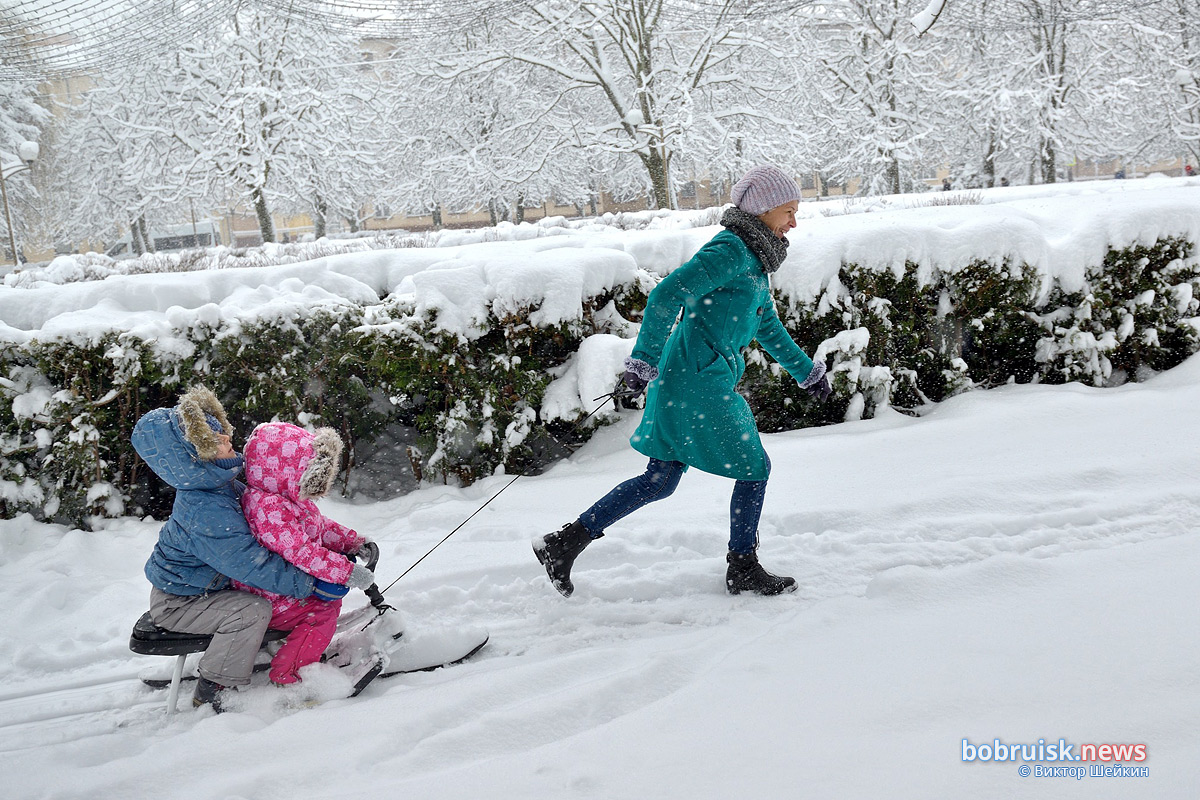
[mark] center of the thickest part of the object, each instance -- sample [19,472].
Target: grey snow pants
[237,620]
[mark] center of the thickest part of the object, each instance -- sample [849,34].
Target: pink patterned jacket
[283,470]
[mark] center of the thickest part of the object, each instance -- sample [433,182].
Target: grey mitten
[361,577]
[817,383]
[821,389]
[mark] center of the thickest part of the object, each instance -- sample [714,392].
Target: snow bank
[550,286]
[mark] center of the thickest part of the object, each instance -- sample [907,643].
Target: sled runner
[425,651]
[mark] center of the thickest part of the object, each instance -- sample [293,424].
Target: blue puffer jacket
[206,541]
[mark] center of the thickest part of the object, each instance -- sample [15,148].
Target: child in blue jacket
[206,542]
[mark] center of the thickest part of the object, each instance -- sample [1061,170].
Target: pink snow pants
[311,623]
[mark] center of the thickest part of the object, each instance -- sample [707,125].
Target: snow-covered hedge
[450,362]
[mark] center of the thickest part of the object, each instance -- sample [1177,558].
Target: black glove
[634,383]
[638,375]
[821,389]
[817,382]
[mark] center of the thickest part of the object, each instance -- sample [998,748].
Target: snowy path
[1018,564]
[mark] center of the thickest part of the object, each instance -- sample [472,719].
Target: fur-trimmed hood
[178,455]
[200,412]
[287,460]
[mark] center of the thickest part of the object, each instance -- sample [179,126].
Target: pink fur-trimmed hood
[287,460]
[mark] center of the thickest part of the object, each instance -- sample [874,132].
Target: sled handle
[372,557]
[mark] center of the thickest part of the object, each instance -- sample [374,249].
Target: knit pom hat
[763,188]
[202,417]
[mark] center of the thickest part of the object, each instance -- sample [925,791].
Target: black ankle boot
[208,693]
[558,551]
[745,574]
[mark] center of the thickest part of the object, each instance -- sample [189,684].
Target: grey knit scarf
[770,249]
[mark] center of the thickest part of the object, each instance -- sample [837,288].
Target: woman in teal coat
[691,364]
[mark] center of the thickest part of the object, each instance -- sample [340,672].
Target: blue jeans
[660,480]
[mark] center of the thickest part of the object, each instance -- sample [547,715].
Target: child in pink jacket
[288,467]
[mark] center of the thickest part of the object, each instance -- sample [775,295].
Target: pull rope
[616,394]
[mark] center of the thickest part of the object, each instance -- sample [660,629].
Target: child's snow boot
[558,551]
[745,574]
[208,693]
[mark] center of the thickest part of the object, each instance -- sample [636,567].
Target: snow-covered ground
[1018,564]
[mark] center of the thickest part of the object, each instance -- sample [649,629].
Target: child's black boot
[208,693]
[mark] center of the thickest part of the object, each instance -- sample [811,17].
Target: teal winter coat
[694,413]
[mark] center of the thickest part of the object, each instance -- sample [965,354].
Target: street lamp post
[28,153]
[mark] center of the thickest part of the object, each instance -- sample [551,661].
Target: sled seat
[150,640]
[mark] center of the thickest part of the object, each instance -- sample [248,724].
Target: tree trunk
[1050,37]
[660,182]
[989,163]
[893,175]
[147,239]
[135,239]
[1049,162]
[266,225]
[320,217]
[893,164]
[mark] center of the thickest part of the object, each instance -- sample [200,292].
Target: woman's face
[781,219]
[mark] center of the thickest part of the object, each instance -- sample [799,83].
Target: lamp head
[28,152]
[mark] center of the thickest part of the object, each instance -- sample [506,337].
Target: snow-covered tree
[870,101]
[22,119]
[1049,32]
[649,73]
[253,107]
[337,164]
[475,138]
[1068,79]
[1167,42]
[115,164]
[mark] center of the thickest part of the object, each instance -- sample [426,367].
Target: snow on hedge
[1060,230]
